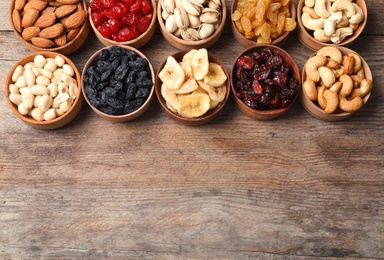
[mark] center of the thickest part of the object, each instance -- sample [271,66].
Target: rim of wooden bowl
[126,117]
[317,111]
[58,121]
[265,114]
[310,42]
[207,117]
[279,41]
[184,45]
[136,43]
[66,49]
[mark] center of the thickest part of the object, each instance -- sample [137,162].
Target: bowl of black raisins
[265,82]
[118,83]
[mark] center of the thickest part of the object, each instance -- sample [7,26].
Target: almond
[80,6]
[52,31]
[61,40]
[16,19]
[72,34]
[76,19]
[68,2]
[30,17]
[54,3]
[45,20]
[19,4]
[42,43]
[65,10]
[37,4]
[48,9]
[30,32]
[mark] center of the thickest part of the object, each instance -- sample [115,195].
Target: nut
[65,10]
[30,32]
[42,42]
[52,31]
[19,4]
[68,2]
[61,40]
[45,20]
[36,4]
[76,19]
[30,17]
[16,19]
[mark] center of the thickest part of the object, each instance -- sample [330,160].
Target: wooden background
[236,188]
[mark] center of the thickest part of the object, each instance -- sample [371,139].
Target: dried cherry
[264,81]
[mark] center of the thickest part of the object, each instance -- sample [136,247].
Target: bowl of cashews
[330,22]
[336,82]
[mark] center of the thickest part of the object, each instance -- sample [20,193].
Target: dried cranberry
[146,7]
[125,34]
[104,31]
[246,62]
[136,7]
[143,24]
[113,25]
[107,3]
[97,18]
[130,19]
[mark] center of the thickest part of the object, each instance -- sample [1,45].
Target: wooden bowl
[136,43]
[208,116]
[240,37]
[58,121]
[307,38]
[264,114]
[315,110]
[125,117]
[182,44]
[66,49]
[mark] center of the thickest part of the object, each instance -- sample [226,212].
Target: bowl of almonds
[191,24]
[337,82]
[42,90]
[59,26]
[262,21]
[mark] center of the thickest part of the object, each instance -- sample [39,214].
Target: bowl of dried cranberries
[117,83]
[123,22]
[262,21]
[265,82]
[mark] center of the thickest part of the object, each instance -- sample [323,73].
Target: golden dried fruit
[76,19]
[19,4]
[30,32]
[65,10]
[42,42]
[16,19]
[30,17]
[45,20]
[36,4]
[52,31]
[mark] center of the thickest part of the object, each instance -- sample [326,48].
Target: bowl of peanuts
[262,21]
[337,82]
[59,26]
[325,22]
[42,90]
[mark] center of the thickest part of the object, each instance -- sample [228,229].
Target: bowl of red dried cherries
[123,22]
[265,82]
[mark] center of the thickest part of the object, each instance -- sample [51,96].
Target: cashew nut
[309,3]
[322,8]
[312,65]
[357,63]
[347,87]
[332,53]
[344,22]
[332,101]
[310,23]
[309,87]
[349,65]
[336,87]
[350,105]
[311,12]
[344,5]
[341,34]
[363,90]
[320,97]
[327,76]
[331,23]
[319,35]
[358,16]
[361,73]
[332,64]
[339,71]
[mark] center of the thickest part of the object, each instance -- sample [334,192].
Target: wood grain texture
[236,188]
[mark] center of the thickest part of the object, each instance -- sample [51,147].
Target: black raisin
[104,54]
[131,75]
[106,74]
[121,71]
[130,93]
[142,93]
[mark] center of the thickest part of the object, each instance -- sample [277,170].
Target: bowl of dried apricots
[262,21]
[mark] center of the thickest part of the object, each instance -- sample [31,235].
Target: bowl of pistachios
[191,24]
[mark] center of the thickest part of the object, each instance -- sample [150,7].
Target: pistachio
[194,21]
[190,34]
[192,7]
[214,4]
[170,24]
[206,30]
[181,18]
[210,15]
[168,6]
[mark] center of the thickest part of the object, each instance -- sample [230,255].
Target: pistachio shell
[168,6]
[192,7]
[210,15]
[194,21]
[170,24]
[214,4]
[206,30]
[190,34]
[181,18]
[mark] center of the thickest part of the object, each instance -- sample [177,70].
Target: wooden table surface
[292,188]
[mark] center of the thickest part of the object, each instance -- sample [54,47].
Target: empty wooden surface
[292,188]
